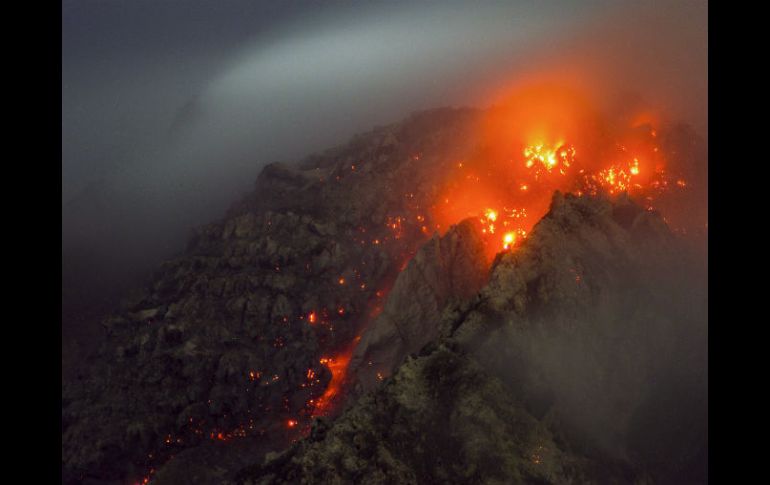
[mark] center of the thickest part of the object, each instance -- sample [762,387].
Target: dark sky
[170,107]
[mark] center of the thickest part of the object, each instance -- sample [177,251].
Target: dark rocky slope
[219,345]
[201,370]
[582,361]
[449,268]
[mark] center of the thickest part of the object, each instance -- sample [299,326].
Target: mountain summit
[420,305]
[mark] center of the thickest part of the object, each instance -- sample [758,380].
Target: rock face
[560,370]
[604,324]
[225,341]
[221,354]
[451,267]
[440,419]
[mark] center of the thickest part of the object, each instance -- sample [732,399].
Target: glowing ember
[540,157]
[634,168]
[491,217]
[508,240]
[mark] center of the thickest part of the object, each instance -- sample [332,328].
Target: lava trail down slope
[581,361]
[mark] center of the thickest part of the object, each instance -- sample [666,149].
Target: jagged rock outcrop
[224,344]
[450,267]
[440,419]
[550,374]
[220,342]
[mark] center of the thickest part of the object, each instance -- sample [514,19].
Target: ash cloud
[170,110]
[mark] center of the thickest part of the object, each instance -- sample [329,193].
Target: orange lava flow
[337,365]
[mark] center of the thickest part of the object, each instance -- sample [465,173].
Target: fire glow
[542,140]
[337,365]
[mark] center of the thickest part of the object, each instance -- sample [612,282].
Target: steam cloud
[170,111]
[631,381]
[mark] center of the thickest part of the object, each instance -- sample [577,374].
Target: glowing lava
[545,140]
[509,239]
[549,158]
[337,365]
[542,140]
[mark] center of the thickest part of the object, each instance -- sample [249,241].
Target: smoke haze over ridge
[170,110]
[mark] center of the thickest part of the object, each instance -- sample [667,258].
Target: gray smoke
[630,379]
[169,110]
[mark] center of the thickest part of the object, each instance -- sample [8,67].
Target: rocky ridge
[574,319]
[202,370]
[452,267]
[221,343]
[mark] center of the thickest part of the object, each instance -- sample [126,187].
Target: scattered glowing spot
[539,156]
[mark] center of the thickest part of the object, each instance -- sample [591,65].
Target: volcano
[448,299]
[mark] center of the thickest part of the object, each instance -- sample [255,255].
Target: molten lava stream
[338,366]
[333,396]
